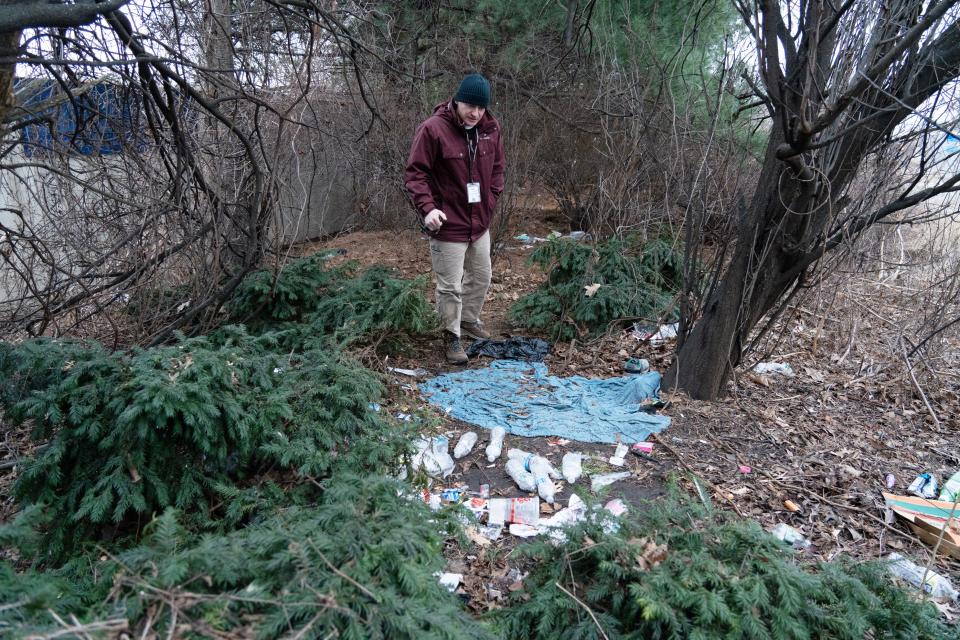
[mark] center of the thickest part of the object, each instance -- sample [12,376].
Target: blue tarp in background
[522,398]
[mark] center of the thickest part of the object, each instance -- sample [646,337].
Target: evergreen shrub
[336,301]
[130,434]
[636,281]
[680,570]
[360,564]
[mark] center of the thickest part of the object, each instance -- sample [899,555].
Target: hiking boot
[474,330]
[455,353]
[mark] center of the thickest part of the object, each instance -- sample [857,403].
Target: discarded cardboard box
[928,519]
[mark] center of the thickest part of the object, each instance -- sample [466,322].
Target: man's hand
[435,219]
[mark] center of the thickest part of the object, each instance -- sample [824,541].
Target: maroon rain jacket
[439,169]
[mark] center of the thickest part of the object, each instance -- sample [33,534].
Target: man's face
[470,114]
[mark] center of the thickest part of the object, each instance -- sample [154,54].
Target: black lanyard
[471,151]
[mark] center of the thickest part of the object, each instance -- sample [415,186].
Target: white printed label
[473,192]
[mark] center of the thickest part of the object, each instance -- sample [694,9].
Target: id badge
[473,192]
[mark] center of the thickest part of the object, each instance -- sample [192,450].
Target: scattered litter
[476,505]
[524,238]
[617,459]
[477,537]
[436,458]
[403,417]
[790,535]
[791,506]
[890,480]
[524,400]
[513,510]
[937,586]
[373,406]
[642,447]
[773,367]
[452,495]
[523,478]
[924,486]
[513,348]
[600,481]
[664,333]
[413,373]
[933,521]
[451,580]
[951,489]
[496,443]
[557,442]
[579,235]
[591,289]
[636,365]
[491,531]
[484,491]
[616,507]
[571,466]
[524,530]
[744,469]
[465,444]
[541,469]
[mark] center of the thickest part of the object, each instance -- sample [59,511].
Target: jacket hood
[447,111]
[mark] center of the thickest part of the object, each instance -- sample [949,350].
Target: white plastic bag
[436,459]
[496,443]
[572,467]
[465,444]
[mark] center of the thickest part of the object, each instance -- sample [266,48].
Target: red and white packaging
[513,510]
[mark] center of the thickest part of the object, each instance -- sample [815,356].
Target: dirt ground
[819,445]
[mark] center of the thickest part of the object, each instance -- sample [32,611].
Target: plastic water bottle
[496,443]
[465,444]
[520,475]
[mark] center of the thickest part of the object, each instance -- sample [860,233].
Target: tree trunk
[9,43]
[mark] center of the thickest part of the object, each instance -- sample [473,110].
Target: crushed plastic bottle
[465,444]
[524,479]
[571,467]
[496,443]
[938,587]
[598,482]
[790,535]
[542,471]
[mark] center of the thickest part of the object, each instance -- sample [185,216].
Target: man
[454,176]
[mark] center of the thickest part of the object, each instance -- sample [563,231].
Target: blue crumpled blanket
[523,399]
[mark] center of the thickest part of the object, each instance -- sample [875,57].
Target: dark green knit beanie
[475,90]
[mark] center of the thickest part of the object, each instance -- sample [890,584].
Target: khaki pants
[462,271]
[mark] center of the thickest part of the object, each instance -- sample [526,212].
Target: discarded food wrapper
[780,368]
[662,334]
[937,586]
[933,521]
[790,535]
[617,459]
[513,510]
[476,505]
[452,495]
[924,486]
[451,580]
[642,447]
[744,469]
[465,444]
[524,530]
[496,443]
[600,481]
[636,365]
[413,373]
[557,442]
[491,531]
